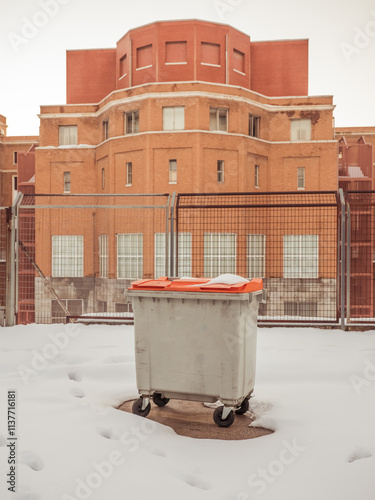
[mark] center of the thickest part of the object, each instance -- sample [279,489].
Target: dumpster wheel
[159,400]
[243,408]
[226,422]
[137,408]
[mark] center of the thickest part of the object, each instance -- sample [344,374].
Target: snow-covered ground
[314,388]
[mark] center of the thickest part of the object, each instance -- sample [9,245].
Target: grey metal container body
[195,346]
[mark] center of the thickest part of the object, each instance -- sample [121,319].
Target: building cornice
[195,131]
[10,141]
[358,132]
[205,83]
[271,108]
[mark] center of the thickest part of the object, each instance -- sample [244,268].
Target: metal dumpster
[195,339]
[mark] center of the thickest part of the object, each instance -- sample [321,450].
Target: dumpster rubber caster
[223,422]
[158,400]
[243,408]
[138,409]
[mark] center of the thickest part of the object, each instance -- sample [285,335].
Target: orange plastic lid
[197,285]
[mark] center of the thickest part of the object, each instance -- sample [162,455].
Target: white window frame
[300,129]
[184,255]
[67,256]
[215,115]
[256,176]
[103,255]
[67,182]
[14,187]
[130,258]
[129,173]
[68,135]
[256,255]
[220,171]
[219,254]
[301,177]
[172,171]
[131,122]
[160,255]
[301,255]
[174,118]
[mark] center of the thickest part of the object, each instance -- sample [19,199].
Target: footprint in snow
[156,451]
[358,454]
[30,459]
[106,432]
[77,377]
[196,481]
[77,392]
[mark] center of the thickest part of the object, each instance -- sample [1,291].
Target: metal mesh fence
[3,262]
[77,254]
[288,239]
[360,256]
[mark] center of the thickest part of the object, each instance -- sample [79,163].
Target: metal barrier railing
[290,240]
[75,255]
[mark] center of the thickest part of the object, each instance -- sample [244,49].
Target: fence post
[171,240]
[9,314]
[12,263]
[342,270]
[348,263]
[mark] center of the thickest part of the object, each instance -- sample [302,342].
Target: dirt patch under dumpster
[192,419]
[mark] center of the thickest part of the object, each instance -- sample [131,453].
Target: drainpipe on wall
[226,59]
[131,64]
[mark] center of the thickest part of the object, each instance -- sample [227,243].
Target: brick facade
[180,106]
[175,51]
[10,148]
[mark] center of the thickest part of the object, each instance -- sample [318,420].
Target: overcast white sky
[35,35]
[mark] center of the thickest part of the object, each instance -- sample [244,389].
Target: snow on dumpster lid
[223,284]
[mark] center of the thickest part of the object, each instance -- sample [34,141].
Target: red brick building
[180,97]
[10,149]
[356,160]
[356,163]
[177,106]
